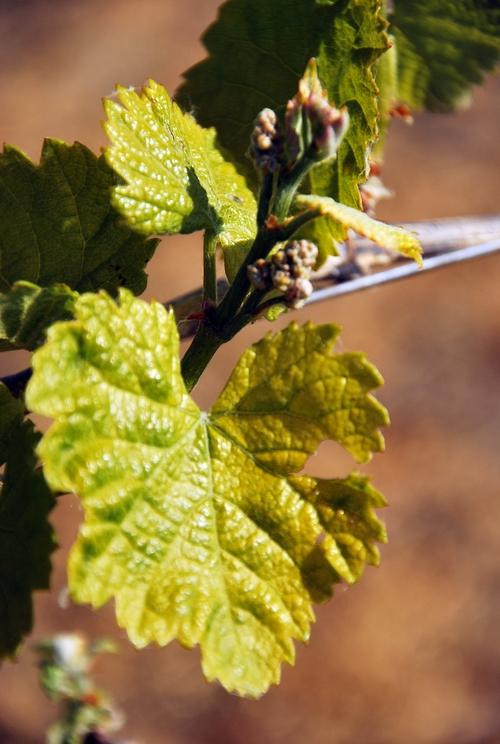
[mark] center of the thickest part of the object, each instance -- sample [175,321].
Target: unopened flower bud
[301,256]
[259,274]
[312,124]
[281,278]
[288,271]
[328,126]
[298,293]
[292,264]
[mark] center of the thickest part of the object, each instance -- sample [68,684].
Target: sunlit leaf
[388,236]
[198,523]
[176,178]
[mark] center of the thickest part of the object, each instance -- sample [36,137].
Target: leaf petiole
[209,268]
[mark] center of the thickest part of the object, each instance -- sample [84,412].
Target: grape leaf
[386,72]
[58,225]
[28,310]
[388,236]
[357,40]
[176,178]
[443,48]
[26,537]
[258,50]
[11,416]
[197,523]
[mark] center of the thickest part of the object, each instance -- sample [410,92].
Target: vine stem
[267,237]
[437,237]
[288,186]
[405,271]
[209,268]
[204,345]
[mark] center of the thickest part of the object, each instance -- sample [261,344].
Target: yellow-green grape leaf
[28,310]
[444,47]
[388,236]
[26,537]
[176,179]
[57,224]
[346,511]
[197,524]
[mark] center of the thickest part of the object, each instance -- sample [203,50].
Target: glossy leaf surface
[176,178]
[197,523]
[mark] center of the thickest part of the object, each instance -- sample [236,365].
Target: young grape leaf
[358,38]
[443,48]
[28,310]
[176,178]
[258,50]
[388,236]
[58,225]
[26,537]
[197,523]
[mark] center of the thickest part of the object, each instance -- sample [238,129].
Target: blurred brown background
[411,654]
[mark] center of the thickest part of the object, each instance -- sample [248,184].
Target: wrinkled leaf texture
[176,178]
[57,226]
[198,524]
[443,48]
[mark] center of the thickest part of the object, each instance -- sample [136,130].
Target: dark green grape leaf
[26,538]
[443,48]
[57,224]
[357,40]
[28,310]
[11,416]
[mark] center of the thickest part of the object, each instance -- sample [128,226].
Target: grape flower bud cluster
[288,271]
[312,124]
[266,146]
[313,128]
